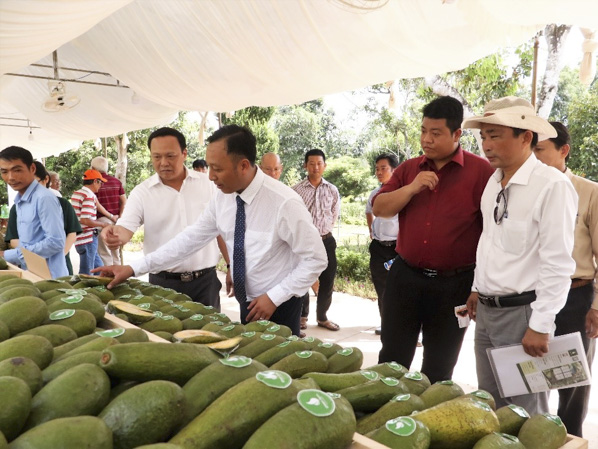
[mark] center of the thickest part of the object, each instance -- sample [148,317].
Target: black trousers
[414,302]
[379,254]
[288,313]
[326,284]
[573,402]
[205,289]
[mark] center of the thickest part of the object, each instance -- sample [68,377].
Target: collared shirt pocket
[514,236]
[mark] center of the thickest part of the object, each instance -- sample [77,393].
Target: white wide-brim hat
[513,112]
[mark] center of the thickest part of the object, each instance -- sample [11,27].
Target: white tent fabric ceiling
[223,55]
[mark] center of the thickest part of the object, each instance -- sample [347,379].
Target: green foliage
[353,213]
[256,119]
[583,128]
[353,263]
[350,175]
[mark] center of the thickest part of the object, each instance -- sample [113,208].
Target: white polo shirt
[164,212]
[531,249]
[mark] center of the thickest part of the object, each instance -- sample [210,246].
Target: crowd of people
[509,239]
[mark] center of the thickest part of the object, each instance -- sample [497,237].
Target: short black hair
[314,152]
[447,108]
[391,158]
[518,131]
[40,170]
[14,153]
[88,182]
[166,131]
[562,137]
[200,163]
[240,141]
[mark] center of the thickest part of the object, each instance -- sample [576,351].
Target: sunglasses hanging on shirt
[500,211]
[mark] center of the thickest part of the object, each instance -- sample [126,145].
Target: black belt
[428,272]
[386,242]
[576,283]
[325,236]
[520,299]
[187,276]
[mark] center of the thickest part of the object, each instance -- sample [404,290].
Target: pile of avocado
[67,382]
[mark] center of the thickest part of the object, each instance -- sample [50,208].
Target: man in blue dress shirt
[40,223]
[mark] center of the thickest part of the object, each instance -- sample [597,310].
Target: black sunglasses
[500,211]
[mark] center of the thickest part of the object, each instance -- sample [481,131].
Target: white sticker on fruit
[184,309]
[230,327]
[519,410]
[402,426]
[396,366]
[209,307]
[345,351]
[264,323]
[333,395]
[167,317]
[401,397]
[73,299]
[111,332]
[414,375]
[158,314]
[316,402]
[196,317]
[390,381]
[283,344]
[554,418]
[325,345]
[273,328]
[212,317]
[307,339]
[248,334]
[274,379]
[482,395]
[144,305]
[218,323]
[62,314]
[236,361]
[268,337]
[304,354]
[221,315]
[370,375]
[293,338]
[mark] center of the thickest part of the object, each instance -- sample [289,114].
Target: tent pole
[535,71]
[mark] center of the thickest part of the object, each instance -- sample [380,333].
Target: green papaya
[337,381]
[59,367]
[15,397]
[370,396]
[389,369]
[55,333]
[23,313]
[25,369]
[259,345]
[403,432]
[81,321]
[302,362]
[345,360]
[278,352]
[399,405]
[34,347]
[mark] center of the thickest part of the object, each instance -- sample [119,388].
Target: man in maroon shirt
[437,197]
[112,197]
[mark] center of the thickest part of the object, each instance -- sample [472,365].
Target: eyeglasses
[500,211]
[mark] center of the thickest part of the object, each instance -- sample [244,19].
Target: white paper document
[564,366]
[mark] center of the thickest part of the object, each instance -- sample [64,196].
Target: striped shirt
[84,203]
[109,195]
[323,203]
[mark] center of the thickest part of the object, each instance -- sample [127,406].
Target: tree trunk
[122,142]
[441,87]
[556,36]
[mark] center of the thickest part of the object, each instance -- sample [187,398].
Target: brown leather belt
[325,236]
[576,283]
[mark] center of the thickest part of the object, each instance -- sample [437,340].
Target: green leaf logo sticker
[293,338]
[303,354]
[402,426]
[283,344]
[209,307]
[167,317]
[73,299]
[169,301]
[483,395]
[144,305]
[230,327]
[235,322]
[197,317]
[248,334]
[124,297]
[274,378]
[401,397]
[100,288]
[267,337]
[221,315]
[219,323]
[482,405]
[333,395]
[514,439]
[184,309]
[446,382]
[264,323]
[325,345]
[307,339]
[158,314]
[236,361]
[414,375]
[73,291]
[137,297]
[62,314]
[111,332]
[346,351]
[519,410]
[370,375]
[390,381]
[316,402]
[396,366]
[273,328]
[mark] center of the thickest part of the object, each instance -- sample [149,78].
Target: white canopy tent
[223,55]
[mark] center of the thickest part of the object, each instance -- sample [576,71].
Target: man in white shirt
[383,231]
[523,263]
[280,253]
[271,165]
[580,313]
[165,204]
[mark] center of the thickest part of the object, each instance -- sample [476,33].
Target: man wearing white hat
[523,264]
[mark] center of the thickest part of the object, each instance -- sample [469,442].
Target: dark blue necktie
[239,253]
